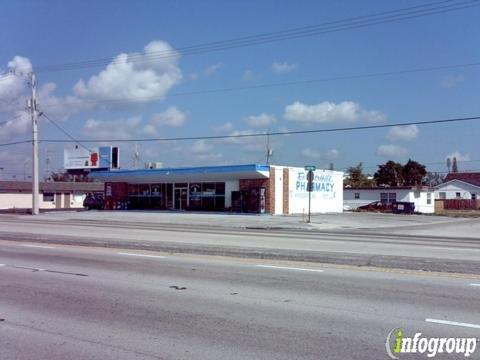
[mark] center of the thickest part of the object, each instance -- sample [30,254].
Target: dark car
[376,206]
[402,207]
[94,201]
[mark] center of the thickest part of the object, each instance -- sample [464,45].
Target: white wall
[451,188]
[368,196]
[420,199]
[230,185]
[326,197]
[278,191]
[24,201]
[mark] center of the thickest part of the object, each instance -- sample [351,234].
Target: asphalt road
[60,302]
[352,247]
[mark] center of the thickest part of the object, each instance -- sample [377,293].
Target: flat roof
[185,174]
[50,186]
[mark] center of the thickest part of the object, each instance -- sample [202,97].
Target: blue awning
[186,174]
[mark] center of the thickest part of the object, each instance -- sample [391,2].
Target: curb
[350,259]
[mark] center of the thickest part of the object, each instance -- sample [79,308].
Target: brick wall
[285,190]
[271,191]
[247,184]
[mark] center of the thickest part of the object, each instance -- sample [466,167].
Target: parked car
[376,206]
[94,201]
[403,207]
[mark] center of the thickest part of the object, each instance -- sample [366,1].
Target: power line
[65,131]
[16,142]
[276,133]
[281,84]
[11,119]
[293,33]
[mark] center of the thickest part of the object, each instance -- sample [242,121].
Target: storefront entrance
[181,196]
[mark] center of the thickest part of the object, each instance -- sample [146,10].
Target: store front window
[181,196]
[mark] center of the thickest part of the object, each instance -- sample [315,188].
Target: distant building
[421,196]
[249,188]
[463,185]
[53,195]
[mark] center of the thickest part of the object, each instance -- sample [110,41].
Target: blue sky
[55,32]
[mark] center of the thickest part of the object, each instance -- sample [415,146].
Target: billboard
[104,157]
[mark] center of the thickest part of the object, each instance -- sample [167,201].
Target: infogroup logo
[397,343]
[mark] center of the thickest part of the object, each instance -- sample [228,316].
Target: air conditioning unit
[153,165]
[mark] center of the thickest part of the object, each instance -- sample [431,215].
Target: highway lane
[61,302]
[348,241]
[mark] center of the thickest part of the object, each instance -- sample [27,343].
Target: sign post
[310,176]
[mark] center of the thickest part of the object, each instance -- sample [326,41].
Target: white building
[251,188]
[53,195]
[421,196]
[459,186]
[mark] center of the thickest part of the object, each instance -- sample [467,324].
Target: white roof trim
[450,181]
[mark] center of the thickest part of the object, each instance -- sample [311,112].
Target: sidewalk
[426,224]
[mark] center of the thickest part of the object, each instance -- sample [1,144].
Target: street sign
[310,177]
[310,167]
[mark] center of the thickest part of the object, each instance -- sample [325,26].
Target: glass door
[181,198]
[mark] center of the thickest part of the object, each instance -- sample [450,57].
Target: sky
[135,94]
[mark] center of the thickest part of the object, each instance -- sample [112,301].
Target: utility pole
[34,113]
[136,157]
[269,150]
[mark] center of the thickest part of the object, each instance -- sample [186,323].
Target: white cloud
[451,81]
[13,87]
[457,154]
[228,126]
[242,139]
[391,150]
[283,67]
[172,117]
[248,75]
[134,77]
[201,147]
[326,112]
[332,154]
[112,129]
[212,69]
[262,120]
[18,124]
[405,133]
[317,154]
[311,153]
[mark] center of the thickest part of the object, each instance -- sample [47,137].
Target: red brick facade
[247,184]
[285,190]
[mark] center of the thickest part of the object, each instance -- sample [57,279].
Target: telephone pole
[34,112]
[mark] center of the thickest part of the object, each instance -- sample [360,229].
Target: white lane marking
[453,323]
[474,284]
[2,265]
[288,268]
[38,246]
[142,255]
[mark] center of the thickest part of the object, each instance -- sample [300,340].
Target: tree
[449,164]
[413,173]
[69,177]
[356,178]
[434,179]
[390,173]
[454,165]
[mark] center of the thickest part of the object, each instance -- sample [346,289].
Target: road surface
[64,302]
[351,247]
